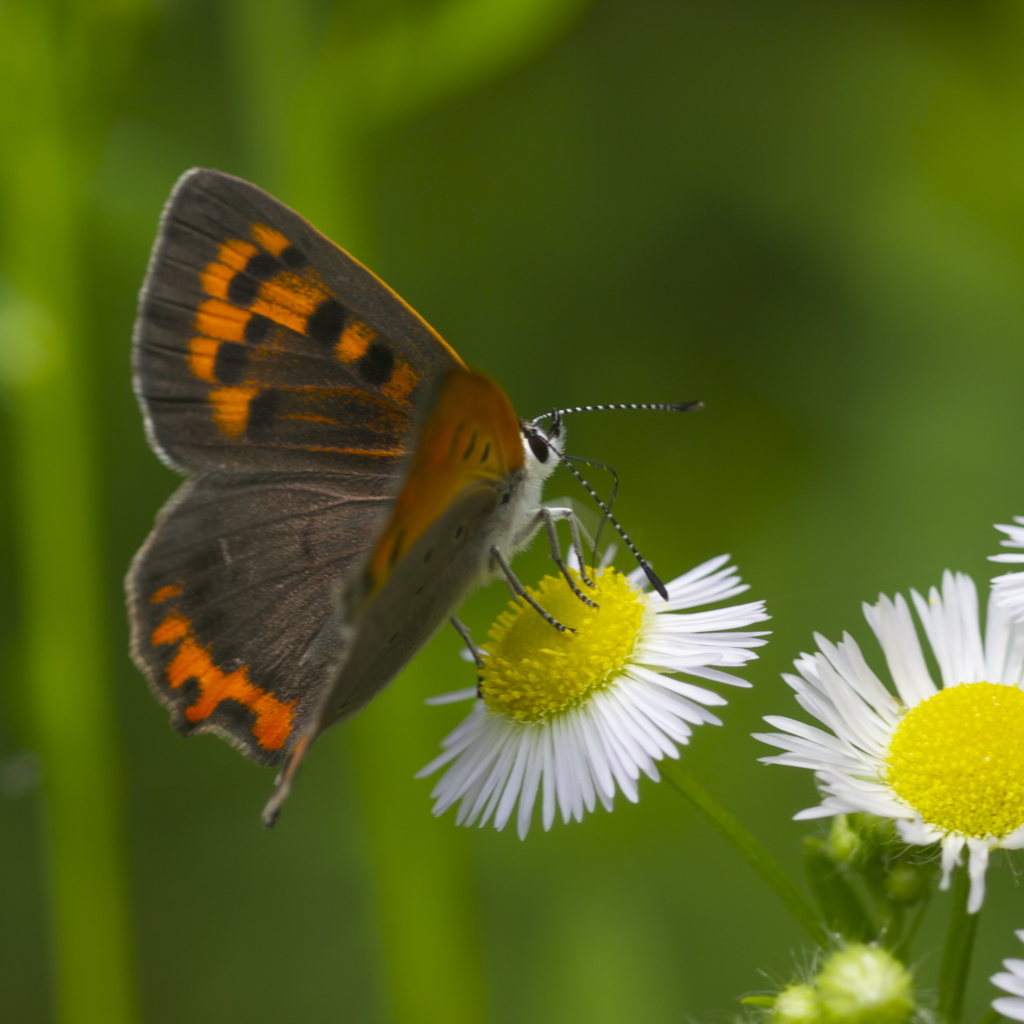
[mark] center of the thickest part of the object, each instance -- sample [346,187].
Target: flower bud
[843,843]
[864,985]
[797,1004]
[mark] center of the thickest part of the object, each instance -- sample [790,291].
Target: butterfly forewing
[261,345]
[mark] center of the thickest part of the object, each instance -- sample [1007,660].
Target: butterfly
[348,478]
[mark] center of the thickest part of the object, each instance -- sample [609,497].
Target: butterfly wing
[231,601]
[260,345]
[288,379]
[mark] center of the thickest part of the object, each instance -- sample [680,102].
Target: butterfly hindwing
[260,345]
[231,600]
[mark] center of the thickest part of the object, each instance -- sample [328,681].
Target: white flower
[1009,588]
[573,716]
[946,763]
[1011,980]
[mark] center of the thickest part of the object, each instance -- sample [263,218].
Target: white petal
[531,781]
[1012,1008]
[1012,983]
[550,784]
[894,627]
[952,846]
[976,868]
[452,698]
[565,782]
[596,754]
[579,752]
[513,786]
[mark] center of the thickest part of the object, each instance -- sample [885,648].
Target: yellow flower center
[958,759]
[532,670]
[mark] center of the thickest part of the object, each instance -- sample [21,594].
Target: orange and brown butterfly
[348,478]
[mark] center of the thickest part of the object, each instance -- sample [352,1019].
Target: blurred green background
[809,215]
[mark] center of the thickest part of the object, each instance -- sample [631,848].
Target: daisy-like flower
[945,762]
[575,716]
[1011,980]
[1009,588]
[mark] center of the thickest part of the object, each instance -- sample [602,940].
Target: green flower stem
[750,849]
[902,947]
[956,956]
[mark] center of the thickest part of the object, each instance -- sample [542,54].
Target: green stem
[902,948]
[746,844]
[956,956]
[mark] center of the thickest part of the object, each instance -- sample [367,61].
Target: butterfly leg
[550,516]
[520,591]
[463,630]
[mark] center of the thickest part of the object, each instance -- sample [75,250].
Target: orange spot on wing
[192,660]
[354,341]
[403,379]
[215,279]
[231,409]
[236,253]
[171,630]
[289,299]
[218,319]
[373,453]
[202,355]
[309,417]
[271,239]
[232,257]
[171,590]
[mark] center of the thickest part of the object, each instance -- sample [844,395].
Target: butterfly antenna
[611,498]
[641,561]
[557,414]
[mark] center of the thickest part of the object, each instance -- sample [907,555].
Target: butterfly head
[543,447]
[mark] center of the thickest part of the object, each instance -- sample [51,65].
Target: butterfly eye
[539,447]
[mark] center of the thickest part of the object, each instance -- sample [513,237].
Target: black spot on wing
[325,323]
[257,328]
[245,285]
[293,257]
[262,410]
[376,365]
[229,366]
[188,693]
[262,266]
[243,289]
